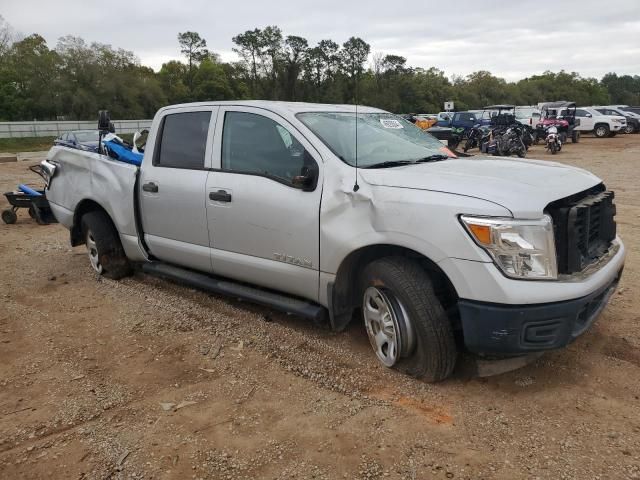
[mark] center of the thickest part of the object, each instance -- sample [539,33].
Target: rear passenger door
[264,229]
[172,188]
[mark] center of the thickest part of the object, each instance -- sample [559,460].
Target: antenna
[356,187]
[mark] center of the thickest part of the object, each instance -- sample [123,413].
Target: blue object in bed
[28,190]
[123,154]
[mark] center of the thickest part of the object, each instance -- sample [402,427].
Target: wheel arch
[85,206]
[344,292]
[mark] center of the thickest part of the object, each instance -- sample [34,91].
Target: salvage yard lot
[146,379]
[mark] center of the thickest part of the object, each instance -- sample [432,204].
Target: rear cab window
[183,140]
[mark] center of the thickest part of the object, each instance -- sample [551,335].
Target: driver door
[263,228]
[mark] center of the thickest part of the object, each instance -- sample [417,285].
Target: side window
[183,140]
[256,144]
[581,113]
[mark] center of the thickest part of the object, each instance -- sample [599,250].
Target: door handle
[220,196]
[150,187]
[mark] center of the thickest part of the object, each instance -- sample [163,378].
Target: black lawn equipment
[33,200]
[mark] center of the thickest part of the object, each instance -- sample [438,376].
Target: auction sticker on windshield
[390,123]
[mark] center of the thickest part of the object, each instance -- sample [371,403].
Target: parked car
[82,139]
[627,108]
[274,203]
[465,120]
[527,115]
[591,120]
[633,120]
[443,119]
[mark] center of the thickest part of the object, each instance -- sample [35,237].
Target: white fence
[53,129]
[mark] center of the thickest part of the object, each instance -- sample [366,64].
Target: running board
[277,301]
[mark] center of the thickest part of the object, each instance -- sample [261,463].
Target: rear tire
[106,254]
[419,340]
[575,137]
[601,131]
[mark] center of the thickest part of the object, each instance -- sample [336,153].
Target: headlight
[523,249]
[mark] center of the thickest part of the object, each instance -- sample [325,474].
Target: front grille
[584,228]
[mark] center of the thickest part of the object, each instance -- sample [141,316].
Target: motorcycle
[476,136]
[509,142]
[552,141]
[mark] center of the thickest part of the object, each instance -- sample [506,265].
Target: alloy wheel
[390,334]
[92,250]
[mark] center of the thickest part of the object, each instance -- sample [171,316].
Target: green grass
[34,144]
[26,144]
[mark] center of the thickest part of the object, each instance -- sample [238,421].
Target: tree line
[75,79]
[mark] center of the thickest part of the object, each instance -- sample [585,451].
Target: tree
[249,47]
[355,52]
[295,54]
[211,82]
[624,89]
[394,63]
[7,37]
[172,76]
[272,54]
[194,48]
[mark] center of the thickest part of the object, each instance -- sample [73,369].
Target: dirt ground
[142,378]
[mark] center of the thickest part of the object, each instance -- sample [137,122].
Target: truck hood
[525,187]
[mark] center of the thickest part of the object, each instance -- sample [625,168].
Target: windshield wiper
[390,163]
[432,158]
[397,163]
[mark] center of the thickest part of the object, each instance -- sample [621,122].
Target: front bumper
[499,329]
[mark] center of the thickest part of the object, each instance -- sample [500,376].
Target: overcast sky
[510,38]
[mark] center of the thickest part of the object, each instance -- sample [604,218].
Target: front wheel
[104,248]
[629,129]
[601,131]
[406,324]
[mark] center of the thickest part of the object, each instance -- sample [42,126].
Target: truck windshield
[382,137]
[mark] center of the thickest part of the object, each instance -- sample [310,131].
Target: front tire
[629,129]
[405,321]
[601,131]
[104,248]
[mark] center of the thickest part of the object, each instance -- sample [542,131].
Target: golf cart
[501,115]
[561,115]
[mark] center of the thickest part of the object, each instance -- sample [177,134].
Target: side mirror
[307,179]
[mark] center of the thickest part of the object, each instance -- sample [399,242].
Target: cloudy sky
[511,38]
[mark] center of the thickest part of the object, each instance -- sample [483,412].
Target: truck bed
[83,176]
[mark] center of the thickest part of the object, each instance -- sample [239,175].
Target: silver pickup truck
[316,211]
